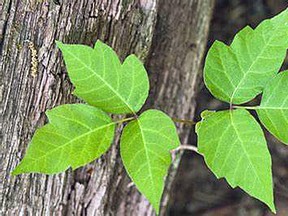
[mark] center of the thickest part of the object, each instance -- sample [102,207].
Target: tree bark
[169,36]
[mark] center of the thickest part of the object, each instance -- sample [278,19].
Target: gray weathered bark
[173,33]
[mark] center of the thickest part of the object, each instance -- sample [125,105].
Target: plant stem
[184,121]
[124,120]
[247,107]
[187,147]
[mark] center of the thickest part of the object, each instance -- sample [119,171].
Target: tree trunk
[170,36]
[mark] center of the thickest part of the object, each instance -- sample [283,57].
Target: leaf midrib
[243,147]
[78,137]
[270,108]
[147,157]
[249,69]
[104,81]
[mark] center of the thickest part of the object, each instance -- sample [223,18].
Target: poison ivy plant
[78,134]
[231,141]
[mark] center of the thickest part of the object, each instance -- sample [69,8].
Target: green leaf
[76,135]
[145,150]
[273,110]
[238,73]
[234,147]
[102,81]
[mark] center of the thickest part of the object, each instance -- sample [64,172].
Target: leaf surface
[273,110]
[102,81]
[238,73]
[234,147]
[76,135]
[145,150]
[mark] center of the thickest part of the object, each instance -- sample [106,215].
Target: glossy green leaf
[238,73]
[76,135]
[273,110]
[102,81]
[145,150]
[234,147]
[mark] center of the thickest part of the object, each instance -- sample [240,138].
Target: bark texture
[170,36]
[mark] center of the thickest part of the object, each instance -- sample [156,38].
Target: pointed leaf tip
[75,135]
[234,147]
[102,81]
[145,151]
[237,73]
[58,43]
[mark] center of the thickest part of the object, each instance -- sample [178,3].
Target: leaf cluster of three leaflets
[78,134]
[232,141]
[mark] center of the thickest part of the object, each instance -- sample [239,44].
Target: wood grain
[170,36]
